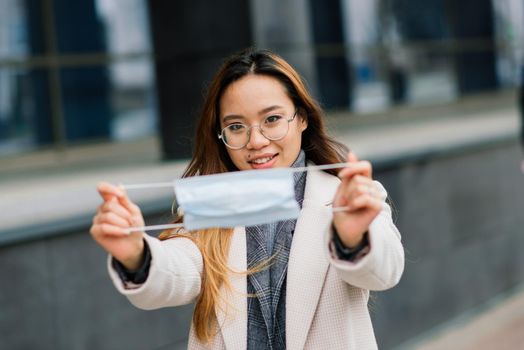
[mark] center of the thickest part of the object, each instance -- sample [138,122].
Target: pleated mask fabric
[242,198]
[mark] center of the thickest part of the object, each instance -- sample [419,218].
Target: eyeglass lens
[273,127]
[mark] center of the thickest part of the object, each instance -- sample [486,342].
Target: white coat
[326,298]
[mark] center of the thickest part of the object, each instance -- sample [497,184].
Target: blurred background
[430,91]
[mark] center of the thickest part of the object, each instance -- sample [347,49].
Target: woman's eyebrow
[262,111]
[231,117]
[269,109]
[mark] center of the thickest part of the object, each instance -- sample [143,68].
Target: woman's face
[250,100]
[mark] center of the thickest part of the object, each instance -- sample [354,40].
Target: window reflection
[76,72]
[73,72]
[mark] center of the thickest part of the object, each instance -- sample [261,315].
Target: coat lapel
[232,319]
[308,263]
[307,269]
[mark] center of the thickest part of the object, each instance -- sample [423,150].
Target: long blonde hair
[210,157]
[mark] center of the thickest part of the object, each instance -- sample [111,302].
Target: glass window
[126,25]
[509,31]
[25,118]
[13,29]
[97,56]
[133,101]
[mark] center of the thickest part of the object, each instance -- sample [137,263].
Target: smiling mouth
[262,160]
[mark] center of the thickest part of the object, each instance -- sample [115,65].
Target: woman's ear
[302,119]
[303,123]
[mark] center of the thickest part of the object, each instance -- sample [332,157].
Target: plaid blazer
[326,304]
[266,310]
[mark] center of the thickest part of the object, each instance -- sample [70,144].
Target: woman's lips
[263,162]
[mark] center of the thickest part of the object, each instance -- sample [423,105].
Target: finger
[99,209]
[108,230]
[351,188]
[362,167]
[127,203]
[365,201]
[113,219]
[96,219]
[347,192]
[352,157]
[361,180]
[108,191]
[114,206]
[340,198]
[357,184]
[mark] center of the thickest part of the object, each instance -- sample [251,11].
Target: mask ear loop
[173,208]
[178,215]
[180,212]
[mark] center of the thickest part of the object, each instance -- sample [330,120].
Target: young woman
[291,284]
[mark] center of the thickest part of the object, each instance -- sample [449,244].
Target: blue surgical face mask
[243,198]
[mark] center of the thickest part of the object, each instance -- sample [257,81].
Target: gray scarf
[266,326]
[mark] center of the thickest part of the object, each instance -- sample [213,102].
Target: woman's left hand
[359,194]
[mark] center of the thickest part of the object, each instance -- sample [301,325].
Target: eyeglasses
[273,127]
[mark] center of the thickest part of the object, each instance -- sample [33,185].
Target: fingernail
[121,189]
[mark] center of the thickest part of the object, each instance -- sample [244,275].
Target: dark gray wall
[462,224]
[460,216]
[57,295]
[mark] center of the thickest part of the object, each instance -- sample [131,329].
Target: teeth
[262,160]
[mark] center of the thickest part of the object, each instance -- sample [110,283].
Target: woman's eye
[273,119]
[236,127]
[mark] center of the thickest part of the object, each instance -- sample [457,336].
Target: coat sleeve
[174,277]
[382,266]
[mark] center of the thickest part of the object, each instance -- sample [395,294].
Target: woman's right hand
[113,217]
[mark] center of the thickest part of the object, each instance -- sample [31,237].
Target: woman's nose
[256,139]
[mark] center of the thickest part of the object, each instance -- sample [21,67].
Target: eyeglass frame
[220,135]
